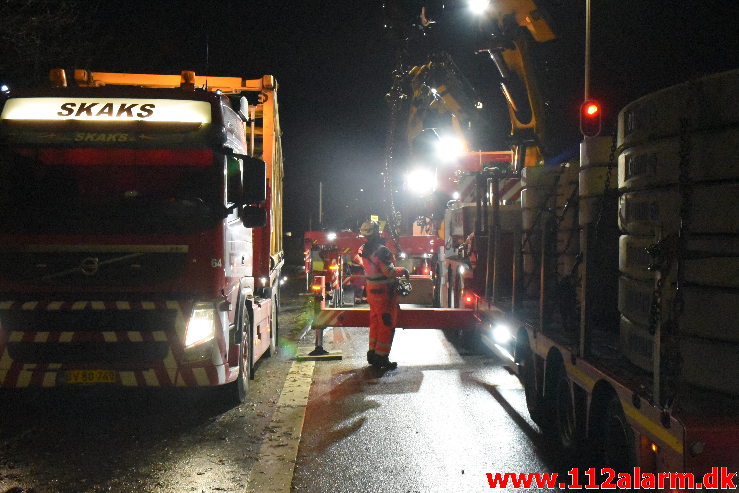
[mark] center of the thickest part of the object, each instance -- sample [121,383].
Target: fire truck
[140,236]
[610,288]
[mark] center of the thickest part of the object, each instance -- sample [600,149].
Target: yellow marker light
[316,287]
[333,267]
[654,448]
[108,109]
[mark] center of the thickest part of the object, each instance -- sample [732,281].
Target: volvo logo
[90,266]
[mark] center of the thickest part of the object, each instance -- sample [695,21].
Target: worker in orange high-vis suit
[382,297]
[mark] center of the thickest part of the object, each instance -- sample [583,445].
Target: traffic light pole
[587,50]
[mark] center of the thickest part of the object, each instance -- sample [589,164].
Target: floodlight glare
[449,148]
[421,181]
[501,333]
[479,7]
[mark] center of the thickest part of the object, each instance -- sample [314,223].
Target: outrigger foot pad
[318,351]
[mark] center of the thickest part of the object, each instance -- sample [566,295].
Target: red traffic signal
[590,118]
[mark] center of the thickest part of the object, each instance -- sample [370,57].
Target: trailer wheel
[234,393]
[565,414]
[534,401]
[615,438]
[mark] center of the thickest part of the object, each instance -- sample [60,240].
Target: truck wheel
[615,438]
[449,288]
[456,295]
[437,291]
[275,327]
[234,393]
[565,414]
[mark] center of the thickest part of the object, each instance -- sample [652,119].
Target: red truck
[140,234]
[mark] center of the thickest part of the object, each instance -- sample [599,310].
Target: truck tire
[711,158]
[711,260]
[534,398]
[531,392]
[566,421]
[644,212]
[234,393]
[709,102]
[614,438]
[275,328]
[437,290]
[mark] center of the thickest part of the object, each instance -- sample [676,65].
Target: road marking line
[273,472]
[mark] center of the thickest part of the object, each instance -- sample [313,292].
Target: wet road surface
[438,423]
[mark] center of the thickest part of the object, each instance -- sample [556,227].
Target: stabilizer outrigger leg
[318,351]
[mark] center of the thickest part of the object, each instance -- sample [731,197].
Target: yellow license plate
[90,376]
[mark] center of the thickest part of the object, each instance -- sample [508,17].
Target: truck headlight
[201,327]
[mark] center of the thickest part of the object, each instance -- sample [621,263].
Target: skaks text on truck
[140,234]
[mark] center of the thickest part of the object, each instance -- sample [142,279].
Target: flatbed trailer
[550,291]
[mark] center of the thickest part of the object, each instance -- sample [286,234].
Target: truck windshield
[108,191]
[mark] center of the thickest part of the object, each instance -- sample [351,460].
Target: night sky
[333,64]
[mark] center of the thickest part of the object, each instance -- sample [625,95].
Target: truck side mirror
[235,175]
[253,217]
[255,181]
[243,109]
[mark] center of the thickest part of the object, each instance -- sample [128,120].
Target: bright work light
[478,6]
[449,148]
[421,181]
[501,334]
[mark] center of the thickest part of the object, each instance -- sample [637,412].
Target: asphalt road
[438,423]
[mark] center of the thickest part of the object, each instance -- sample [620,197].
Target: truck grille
[86,268]
[89,332]
[87,320]
[105,353]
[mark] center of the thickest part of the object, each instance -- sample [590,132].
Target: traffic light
[590,118]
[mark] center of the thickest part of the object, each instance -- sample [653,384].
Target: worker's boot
[371,357]
[382,362]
